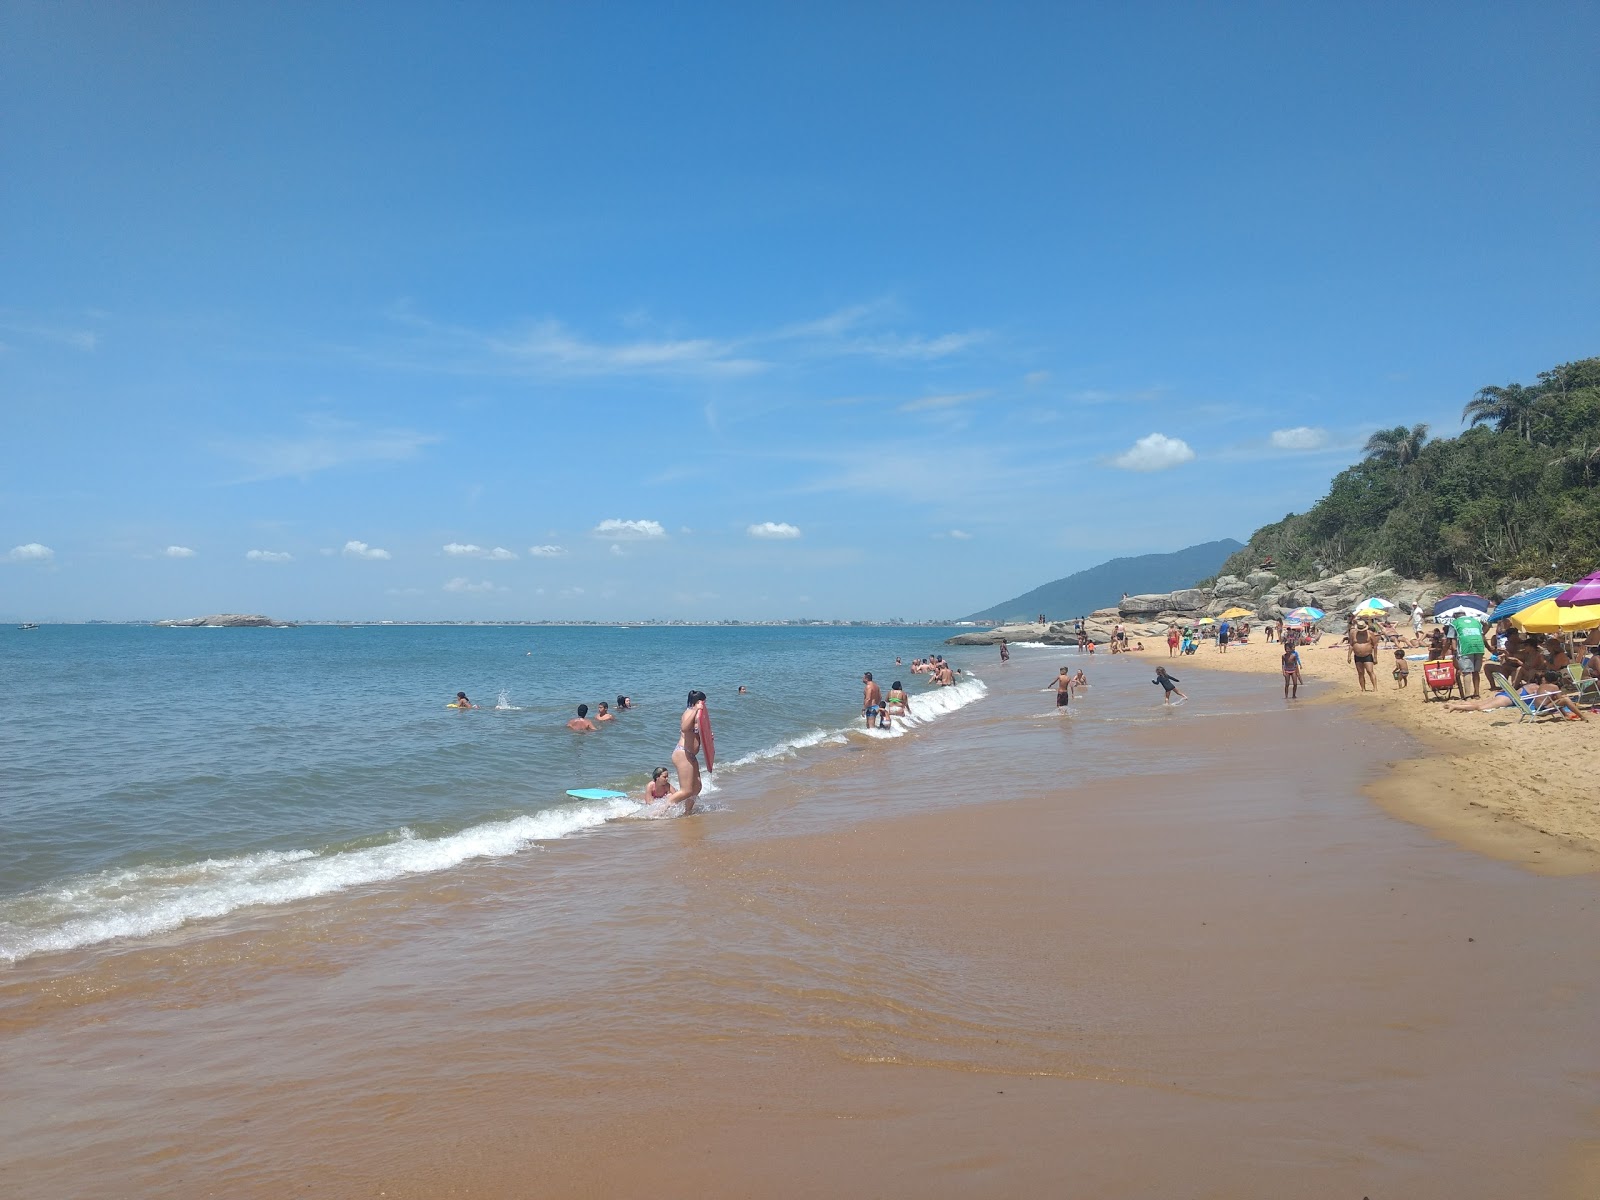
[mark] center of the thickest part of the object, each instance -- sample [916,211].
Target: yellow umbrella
[1549,617]
[1207,621]
[1237,612]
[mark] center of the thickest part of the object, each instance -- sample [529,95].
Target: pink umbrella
[1585,591]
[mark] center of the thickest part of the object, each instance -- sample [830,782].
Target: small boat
[28,625]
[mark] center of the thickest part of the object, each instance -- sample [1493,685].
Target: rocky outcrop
[228,621]
[1268,596]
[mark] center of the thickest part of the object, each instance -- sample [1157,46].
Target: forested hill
[1517,494]
[1080,594]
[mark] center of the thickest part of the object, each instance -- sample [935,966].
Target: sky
[706,311]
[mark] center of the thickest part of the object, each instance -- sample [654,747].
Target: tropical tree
[1400,445]
[1511,408]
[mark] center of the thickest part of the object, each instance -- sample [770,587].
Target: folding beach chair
[1583,686]
[1535,710]
[1440,676]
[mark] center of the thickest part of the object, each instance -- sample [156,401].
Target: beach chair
[1534,710]
[1440,676]
[1583,686]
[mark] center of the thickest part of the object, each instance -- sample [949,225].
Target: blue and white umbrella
[1460,604]
[1522,600]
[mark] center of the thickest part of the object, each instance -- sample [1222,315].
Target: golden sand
[1524,792]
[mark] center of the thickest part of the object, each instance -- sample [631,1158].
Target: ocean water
[152,779]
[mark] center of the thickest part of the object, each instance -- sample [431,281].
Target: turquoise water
[157,777]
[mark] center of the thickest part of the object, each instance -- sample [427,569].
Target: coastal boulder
[1186,600]
[1229,585]
[1138,606]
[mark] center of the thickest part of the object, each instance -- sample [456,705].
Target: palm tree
[1400,446]
[1511,408]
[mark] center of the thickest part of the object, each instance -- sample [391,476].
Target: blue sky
[745,310]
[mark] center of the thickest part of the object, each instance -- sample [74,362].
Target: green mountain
[1517,495]
[1102,586]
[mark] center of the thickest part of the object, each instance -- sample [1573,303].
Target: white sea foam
[142,901]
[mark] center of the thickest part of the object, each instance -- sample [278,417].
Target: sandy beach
[1122,952]
[1521,791]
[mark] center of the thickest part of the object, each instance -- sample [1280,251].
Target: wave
[142,901]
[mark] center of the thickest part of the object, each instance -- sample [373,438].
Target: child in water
[660,785]
[462,701]
[1169,686]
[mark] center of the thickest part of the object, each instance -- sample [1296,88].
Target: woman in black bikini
[1364,649]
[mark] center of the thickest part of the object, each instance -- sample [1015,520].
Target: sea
[155,779]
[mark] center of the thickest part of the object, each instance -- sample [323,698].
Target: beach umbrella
[1308,614]
[1527,599]
[1461,604]
[1374,604]
[1549,617]
[1237,612]
[1585,591]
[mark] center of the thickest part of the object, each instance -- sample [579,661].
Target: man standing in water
[1063,686]
[685,755]
[871,699]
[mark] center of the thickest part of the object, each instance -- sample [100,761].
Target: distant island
[228,621]
[1097,587]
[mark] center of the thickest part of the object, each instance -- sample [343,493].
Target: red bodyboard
[708,744]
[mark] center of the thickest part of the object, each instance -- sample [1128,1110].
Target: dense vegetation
[1517,494]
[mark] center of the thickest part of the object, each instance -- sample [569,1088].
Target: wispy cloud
[327,443]
[547,551]
[354,549]
[31,552]
[776,530]
[468,550]
[629,530]
[1155,452]
[1301,437]
[178,552]
[269,556]
[85,340]
[948,401]
[961,535]
[461,585]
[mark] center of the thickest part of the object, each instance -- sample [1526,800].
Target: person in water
[871,699]
[1063,685]
[895,704]
[1080,680]
[1005,651]
[581,722]
[660,785]
[686,754]
[463,702]
[605,713]
[623,703]
[1169,685]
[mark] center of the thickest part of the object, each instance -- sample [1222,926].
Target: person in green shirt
[1469,648]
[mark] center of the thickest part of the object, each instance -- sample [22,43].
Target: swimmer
[1080,680]
[871,699]
[605,713]
[895,704]
[623,703]
[581,722]
[743,691]
[1063,686]
[461,701]
[660,785]
[685,756]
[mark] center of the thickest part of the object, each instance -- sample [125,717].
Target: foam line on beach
[144,901]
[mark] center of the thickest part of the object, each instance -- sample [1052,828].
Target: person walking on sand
[685,755]
[1169,686]
[1291,673]
[1402,669]
[1416,620]
[871,699]
[1063,685]
[1172,641]
[1364,650]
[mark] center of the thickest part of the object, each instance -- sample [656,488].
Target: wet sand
[1123,953]
[1524,792]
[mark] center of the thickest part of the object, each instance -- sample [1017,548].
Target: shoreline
[1518,792]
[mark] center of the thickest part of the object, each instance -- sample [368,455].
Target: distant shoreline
[641,624]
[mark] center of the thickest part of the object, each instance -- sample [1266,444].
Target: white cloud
[616,549]
[629,530]
[961,535]
[461,584]
[1157,452]
[178,552]
[31,552]
[773,529]
[1301,437]
[950,400]
[468,550]
[1035,378]
[354,549]
[272,556]
[547,551]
